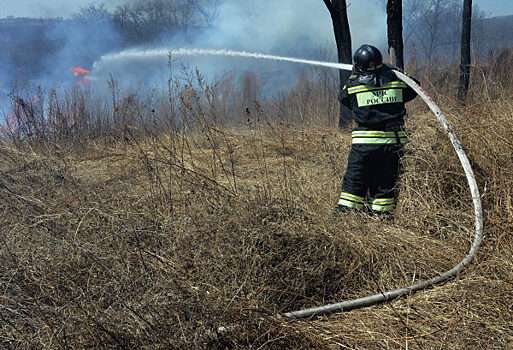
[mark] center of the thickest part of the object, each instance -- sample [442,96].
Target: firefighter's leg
[355,184]
[384,178]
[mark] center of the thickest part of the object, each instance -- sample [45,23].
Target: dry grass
[156,239]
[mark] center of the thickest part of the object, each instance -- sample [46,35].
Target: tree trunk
[465,50]
[338,12]
[395,32]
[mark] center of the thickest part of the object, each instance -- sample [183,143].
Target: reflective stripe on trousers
[382,204]
[357,202]
[351,200]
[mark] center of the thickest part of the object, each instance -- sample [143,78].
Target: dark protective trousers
[373,169]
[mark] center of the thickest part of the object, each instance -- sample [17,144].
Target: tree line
[142,21]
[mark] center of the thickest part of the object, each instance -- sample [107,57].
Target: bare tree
[93,12]
[431,26]
[338,12]
[143,20]
[395,32]
[465,50]
[208,9]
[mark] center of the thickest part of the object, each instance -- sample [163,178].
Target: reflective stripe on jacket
[378,137]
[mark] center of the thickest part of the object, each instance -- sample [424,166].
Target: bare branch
[329,5]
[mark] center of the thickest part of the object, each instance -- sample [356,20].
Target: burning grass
[157,239]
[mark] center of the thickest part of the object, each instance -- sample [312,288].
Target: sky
[64,8]
[45,8]
[495,7]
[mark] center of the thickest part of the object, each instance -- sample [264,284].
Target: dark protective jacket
[376,100]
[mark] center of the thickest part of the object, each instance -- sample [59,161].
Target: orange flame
[79,71]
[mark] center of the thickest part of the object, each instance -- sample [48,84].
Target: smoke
[38,53]
[41,52]
[79,43]
[297,28]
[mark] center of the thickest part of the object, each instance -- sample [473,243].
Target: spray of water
[163,53]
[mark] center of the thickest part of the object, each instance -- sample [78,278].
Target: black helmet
[367,58]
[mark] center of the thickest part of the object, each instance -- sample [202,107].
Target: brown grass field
[154,234]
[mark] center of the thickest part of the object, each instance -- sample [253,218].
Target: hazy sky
[63,8]
[46,8]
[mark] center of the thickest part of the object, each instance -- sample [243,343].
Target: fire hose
[478,214]
[381,297]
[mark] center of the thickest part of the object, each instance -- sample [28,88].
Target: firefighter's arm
[343,97]
[409,94]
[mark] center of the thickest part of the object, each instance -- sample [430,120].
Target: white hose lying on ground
[381,297]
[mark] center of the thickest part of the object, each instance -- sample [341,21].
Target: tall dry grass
[152,221]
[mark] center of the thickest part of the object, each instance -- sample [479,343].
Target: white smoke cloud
[299,28]
[290,26]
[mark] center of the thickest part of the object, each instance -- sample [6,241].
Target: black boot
[341,209]
[382,215]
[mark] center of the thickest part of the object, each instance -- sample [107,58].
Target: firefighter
[376,97]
